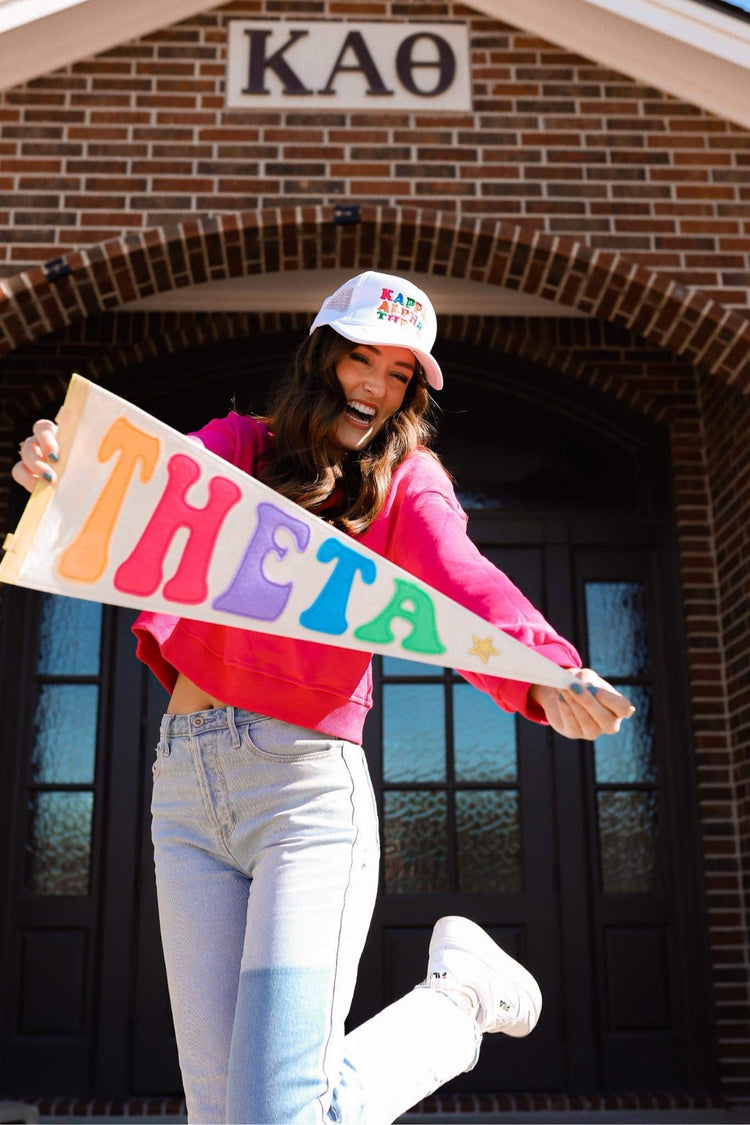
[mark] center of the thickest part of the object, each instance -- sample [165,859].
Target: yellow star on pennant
[483,648]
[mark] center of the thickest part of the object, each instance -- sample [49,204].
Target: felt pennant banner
[144,517]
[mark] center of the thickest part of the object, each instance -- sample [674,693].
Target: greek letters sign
[144,517]
[335,64]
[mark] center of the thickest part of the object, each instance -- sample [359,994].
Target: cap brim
[430,366]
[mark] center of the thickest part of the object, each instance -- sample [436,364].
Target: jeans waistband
[217,718]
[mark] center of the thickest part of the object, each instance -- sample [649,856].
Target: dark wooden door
[155,1069]
[580,859]
[575,856]
[70,818]
[466,794]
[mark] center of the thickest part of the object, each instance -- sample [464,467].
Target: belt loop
[236,740]
[164,727]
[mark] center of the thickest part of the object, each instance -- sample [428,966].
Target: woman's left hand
[588,709]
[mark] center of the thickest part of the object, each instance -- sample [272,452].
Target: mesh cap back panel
[340,301]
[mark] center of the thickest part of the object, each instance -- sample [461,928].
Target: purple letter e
[250,593]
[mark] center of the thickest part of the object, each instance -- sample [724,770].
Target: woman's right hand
[589,708]
[39,453]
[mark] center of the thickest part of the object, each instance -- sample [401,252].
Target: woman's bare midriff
[188,697]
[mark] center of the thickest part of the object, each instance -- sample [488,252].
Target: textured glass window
[416,842]
[489,841]
[626,762]
[59,844]
[484,737]
[628,756]
[414,732]
[628,841]
[64,747]
[69,637]
[617,633]
[440,735]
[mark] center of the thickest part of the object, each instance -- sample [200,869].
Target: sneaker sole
[464,935]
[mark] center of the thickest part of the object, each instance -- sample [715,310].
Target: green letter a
[413,605]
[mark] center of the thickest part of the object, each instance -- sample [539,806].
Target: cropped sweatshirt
[422,528]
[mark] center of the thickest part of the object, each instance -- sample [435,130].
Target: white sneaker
[465,958]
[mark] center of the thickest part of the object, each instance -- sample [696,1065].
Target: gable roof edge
[37,38]
[682,47]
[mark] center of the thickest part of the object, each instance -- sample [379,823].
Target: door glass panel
[64,748]
[416,852]
[617,636]
[414,732]
[627,816]
[489,841]
[438,835]
[484,737]
[395,666]
[59,845]
[69,633]
[628,756]
[628,838]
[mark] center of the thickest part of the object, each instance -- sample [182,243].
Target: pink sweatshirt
[422,528]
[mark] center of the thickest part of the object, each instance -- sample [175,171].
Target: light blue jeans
[266,845]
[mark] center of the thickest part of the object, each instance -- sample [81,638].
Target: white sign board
[335,64]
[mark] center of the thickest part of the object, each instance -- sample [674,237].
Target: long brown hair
[302,466]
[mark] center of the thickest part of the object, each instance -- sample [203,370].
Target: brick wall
[724,693]
[138,137]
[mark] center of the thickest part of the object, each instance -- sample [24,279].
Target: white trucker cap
[381,309]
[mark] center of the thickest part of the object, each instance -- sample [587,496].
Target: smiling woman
[264,824]
[374,382]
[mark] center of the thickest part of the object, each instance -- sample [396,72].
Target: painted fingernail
[592,689]
[576,687]
[53,458]
[560,696]
[47,476]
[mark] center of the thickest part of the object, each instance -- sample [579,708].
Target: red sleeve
[238,439]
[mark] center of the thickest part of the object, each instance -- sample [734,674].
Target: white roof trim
[40,36]
[15,13]
[683,47]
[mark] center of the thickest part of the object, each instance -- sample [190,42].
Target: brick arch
[584,350]
[602,284]
[540,341]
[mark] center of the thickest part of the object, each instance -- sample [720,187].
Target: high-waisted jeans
[266,845]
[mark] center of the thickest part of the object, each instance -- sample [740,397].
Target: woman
[265,828]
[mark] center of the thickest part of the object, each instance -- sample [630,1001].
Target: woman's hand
[589,708]
[38,454]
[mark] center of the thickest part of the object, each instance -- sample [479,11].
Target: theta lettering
[250,593]
[142,572]
[327,614]
[445,64]
[86,559]
[411,604]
